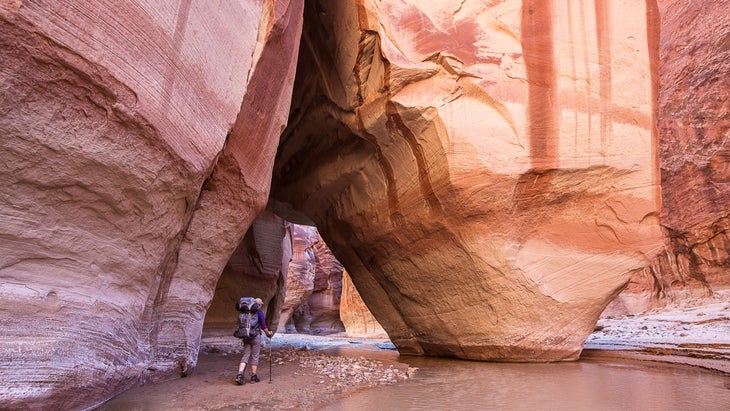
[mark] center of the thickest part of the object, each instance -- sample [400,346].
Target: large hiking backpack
[248,319]
[246,304]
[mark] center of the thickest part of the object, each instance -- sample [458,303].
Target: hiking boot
[255,378]
[239,379]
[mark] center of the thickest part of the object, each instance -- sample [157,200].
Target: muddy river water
[441,384]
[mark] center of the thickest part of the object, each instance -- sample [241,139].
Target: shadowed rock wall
[256,269]
[694,153]
[486,173]
[128,180]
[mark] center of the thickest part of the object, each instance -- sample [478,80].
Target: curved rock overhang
[487,175]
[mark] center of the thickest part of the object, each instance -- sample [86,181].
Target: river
[442,384]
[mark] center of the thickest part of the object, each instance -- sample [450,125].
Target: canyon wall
[138,141]
[300,273]
[355,315]
[486,173]
[694,153]
[313,286]
[320,313]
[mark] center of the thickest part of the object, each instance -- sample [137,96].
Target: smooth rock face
[355,315]
[128,180]
[694,153]
[486,173]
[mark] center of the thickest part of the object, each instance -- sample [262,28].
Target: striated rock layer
[694,153]
[320,314]
[486,172]
[137,146]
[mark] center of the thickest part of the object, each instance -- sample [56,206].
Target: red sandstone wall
[693,115]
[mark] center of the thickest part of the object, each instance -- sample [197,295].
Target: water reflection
[466,385]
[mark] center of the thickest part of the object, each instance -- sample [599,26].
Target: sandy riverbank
[307,371]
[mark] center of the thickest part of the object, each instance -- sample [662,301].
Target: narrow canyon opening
[305,288]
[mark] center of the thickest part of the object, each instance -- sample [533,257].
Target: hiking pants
[251,348]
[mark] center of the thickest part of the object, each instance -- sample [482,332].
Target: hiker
[251,321]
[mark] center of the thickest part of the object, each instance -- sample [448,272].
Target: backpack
[248,319]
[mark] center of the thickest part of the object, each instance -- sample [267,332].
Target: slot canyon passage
[493,175]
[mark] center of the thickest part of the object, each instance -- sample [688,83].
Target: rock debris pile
[343,371]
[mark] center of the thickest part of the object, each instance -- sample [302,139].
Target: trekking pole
[270,338]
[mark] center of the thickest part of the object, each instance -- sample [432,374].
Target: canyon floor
[309,371]
[305,371]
